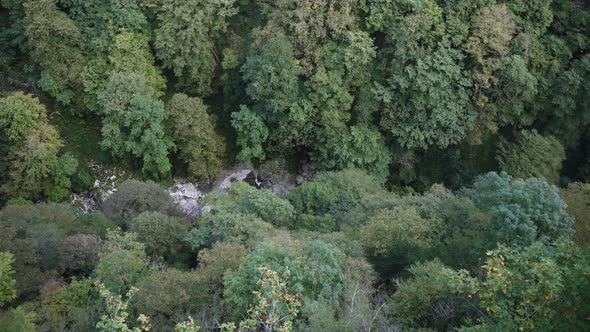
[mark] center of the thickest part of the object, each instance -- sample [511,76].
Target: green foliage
[170,296]
[569,104]
[133,122]
[532,17]
[532,155]
[517,87]
[214,263]
[61,174]
[7,290]
[489,45]
[226,226]
[264,204]
[19,114]
[130,53]
[272,77]
[162,235]
[114,319]
[184,38]
[56,44]
[334,194]
[427,299]
[312,280]
[124,264]
[134,197]
[523,210]
[100,21]
[31,165]
[275,306]
[463,235]
[396,238]
[577,196]
[71,306]
[363,148]
[434,112]
[79,254]
[507,294]
[195,137]
[375,95]
[31,159]
[309,24]
[252,133]
[46,242]
[18,319]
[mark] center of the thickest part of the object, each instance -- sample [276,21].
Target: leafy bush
[532,155]
[523,210]
[162,235]
[134,197]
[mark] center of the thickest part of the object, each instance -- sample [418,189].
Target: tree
[32,164]
[19,114]
[170,296]
[130,53]
[114,319]
[32,149]
[427,299]
[123,264]
[569,116]
[532,155]
[309,24]
[214,263]
[334,195]
[272,77]
[61,184]
[79,254]
[532,17]
[517,88]
[268,206]
[363,148]
[133,122]
[396,238]
[488,45]
[435,112]
[18,319]
[252,133]
[56,45]
[7,282]
[509,297]
[134,197]
[275,306]
[162,235]
[72,306]
[315,267]
[195,137]
[523,210]
[185,36]
[576,196]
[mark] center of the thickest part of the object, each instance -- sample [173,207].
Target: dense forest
[403,165]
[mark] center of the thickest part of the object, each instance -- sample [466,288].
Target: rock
[299,180]
[238,174]
[187,197]
[206,209]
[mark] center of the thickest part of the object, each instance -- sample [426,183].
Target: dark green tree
[532,155]
[194,134]
[185,38]
[133,198]
[522,210]
[162,235]
[133,122]
[252,133]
